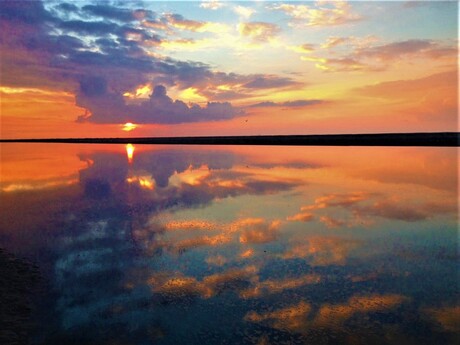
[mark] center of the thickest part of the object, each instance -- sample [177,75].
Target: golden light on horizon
[130,152]
[129,126]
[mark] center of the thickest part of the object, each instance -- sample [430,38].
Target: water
[233,245]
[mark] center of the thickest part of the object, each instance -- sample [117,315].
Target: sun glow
[145,182]
[191,95]
[143,91]
[130,152]
[129,126]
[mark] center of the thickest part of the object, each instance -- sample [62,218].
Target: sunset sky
[145,68]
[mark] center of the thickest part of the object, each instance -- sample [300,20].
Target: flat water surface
[230,245]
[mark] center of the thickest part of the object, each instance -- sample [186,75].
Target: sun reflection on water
[130,152]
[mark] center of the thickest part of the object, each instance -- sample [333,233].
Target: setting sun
[129,126]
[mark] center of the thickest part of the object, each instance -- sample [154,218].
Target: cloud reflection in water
[234,244]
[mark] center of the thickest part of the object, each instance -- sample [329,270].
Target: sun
[129,126]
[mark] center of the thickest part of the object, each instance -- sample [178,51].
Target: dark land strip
[446,139]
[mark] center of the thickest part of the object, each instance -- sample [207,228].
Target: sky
[148,68]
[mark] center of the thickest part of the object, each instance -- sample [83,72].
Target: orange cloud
[297,318]
[349,42]
[187,44]
[230,279]
[368,57]
[334,316]
[363,205]
[322,251]
[216,260]
[260,232]
[301,217]
[244,281]
[345,64]
[392,209]
[180,286]
[192,176]
[180,246]
[179,22]
[408,48]
[431,88]
[155,25]
[195,224]
[332,222]
[304,48]
[21,187]
[243,224]
[333,42]
[334,13]
[250,230]
[247,253]
[343,200]
[144,181]
[142,91]
[267,287]
[447,317]
[292,318]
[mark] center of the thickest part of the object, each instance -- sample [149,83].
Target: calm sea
[233,245]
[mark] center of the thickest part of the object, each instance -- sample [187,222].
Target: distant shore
[446,139]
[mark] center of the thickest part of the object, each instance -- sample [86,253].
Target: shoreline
[444,139]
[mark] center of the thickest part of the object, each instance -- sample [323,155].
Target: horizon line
[446,139]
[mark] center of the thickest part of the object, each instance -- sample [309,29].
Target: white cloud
[212,4]
[244,12]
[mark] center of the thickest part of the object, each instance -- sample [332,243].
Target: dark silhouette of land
[451,139]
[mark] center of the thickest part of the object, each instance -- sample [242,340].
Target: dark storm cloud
[67,7]
[93,86]
[110,12]
[31,37]
[105,28]
[92,28]
[108,107]
[27,12]
[65,46]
